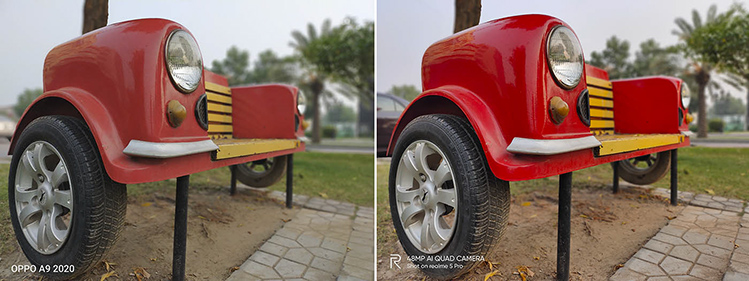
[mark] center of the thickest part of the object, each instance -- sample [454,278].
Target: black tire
[274,169]
[657,165]
[483,200]
[98,203]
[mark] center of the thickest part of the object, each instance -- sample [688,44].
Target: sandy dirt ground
[223,231]
[607,230]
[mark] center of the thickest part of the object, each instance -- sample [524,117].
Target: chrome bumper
[551,147]
[167,149]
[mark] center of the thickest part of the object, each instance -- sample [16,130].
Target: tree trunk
[467,14]
[95,14]
[702,79]
[746,120]
[316,126]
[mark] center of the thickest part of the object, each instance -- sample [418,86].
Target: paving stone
[348,278]
[704,272]
[720,199]
[674,230]
[264,258]
[735,276]
[275,249]
[363,263]
[288,233]
[721,241]
[658,246]
[316,274]
[644,267]
[283,241]
[625,274]
[685,252]
[660,278]
[287,268]
[259,270]
[325,265]
[310,239]
[649,256]
[674,266]
[739,267]
[357,272]
[686,278]
[713,251]
[670,239]
[326,254]
[740,258]
[714,262]
[334,244]
[361,248]
[299,255]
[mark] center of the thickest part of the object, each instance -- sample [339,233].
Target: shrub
[715,125]
[329,131]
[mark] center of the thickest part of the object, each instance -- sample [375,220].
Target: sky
[31,28]
[406,28]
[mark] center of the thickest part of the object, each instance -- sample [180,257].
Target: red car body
[497,76]
[115,78]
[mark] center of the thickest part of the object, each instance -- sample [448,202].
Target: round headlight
[565,57]
[686,96]
[184,61]
[301,102]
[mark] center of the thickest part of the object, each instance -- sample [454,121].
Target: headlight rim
[301,101]
[548,58]
[169,69]
[684,86]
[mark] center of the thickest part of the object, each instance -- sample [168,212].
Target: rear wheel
[646,169]
[262,173]
[446,205]
[64,208]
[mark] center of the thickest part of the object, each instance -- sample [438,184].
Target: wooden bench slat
[215,107]
[594,112]
[597,92]
[597,102]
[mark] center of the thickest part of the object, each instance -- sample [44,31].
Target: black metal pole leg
[616,176]
[289,180]
[180,229]
[563,226]
[674,178]
[233,189]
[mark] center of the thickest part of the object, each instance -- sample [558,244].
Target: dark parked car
[389,108]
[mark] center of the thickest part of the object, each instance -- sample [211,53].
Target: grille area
[201,111]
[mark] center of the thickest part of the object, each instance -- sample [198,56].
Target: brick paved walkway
[326,240]
[708,240]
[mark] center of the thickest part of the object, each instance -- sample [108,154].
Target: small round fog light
[176,113]
[558,109]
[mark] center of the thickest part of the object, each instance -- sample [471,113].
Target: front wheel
[446,205]
[64,208]
[646,169]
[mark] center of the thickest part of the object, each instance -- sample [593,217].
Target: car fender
[80,104]
[461,102]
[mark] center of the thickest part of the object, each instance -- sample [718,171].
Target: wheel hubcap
[426,196]
[259,168]
[43,197]
[641,164]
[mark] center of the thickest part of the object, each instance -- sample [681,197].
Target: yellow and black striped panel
[601,106]
[219,111]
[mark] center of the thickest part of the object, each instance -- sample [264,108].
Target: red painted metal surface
[496,75]
[264,111]
[115,78]
[647,105]
[596,72]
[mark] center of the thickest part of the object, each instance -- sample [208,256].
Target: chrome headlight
[184,61]
[565,57]
[301,102]
[686,96]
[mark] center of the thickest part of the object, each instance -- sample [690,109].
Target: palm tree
[699,70]
[314,80]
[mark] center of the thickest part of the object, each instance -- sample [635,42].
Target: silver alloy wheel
[426,196]
[44,197]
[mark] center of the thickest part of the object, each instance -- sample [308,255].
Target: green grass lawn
[338,176]
[725,171]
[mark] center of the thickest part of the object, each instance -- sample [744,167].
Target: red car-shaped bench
[131,103]
[512,100]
